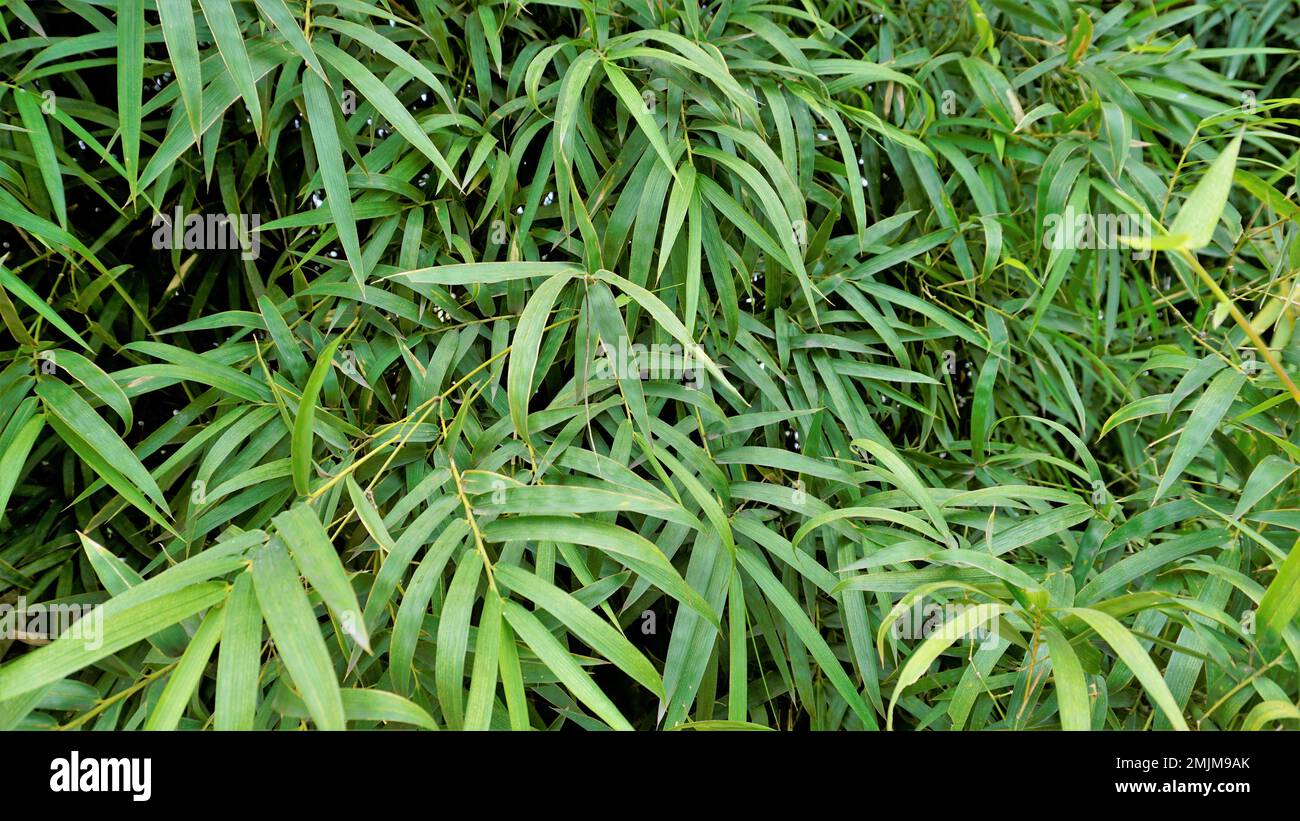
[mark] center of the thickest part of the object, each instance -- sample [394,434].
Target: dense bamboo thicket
[925,364]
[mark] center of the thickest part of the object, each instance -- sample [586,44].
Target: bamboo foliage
[529,364]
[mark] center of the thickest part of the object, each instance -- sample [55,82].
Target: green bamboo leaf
[907,481]
[189,670]
[1201,210]
[1056,521]
[558,660]
[49,233]
[304,421]
[678,204]
[1071,689]
[415,602]
[1268,712]
[1131,653]
[1271,472]
[757,569]
[43,148]
[297,636]
[727,726]
[130,83]
[239,662]
[121,626]
[378,95]
[670,323]
[118,577]
[224,25]
[69,408]
[1281,600]
[638,553]
[483,677]
[486,273]
[95,381]
[309,543]
[994,566]
[14,457]
[636,106]
[369,515]
[453,637]
[1149,560]
[737,680]
[278,13]
[338,196]
[524,350]
[512,679]
[597,634]
[198,368]
[177,17]
[20,289]
[1206,415]
[377,705]
[951,631]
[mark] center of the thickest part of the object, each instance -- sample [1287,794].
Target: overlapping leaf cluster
[399,462]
